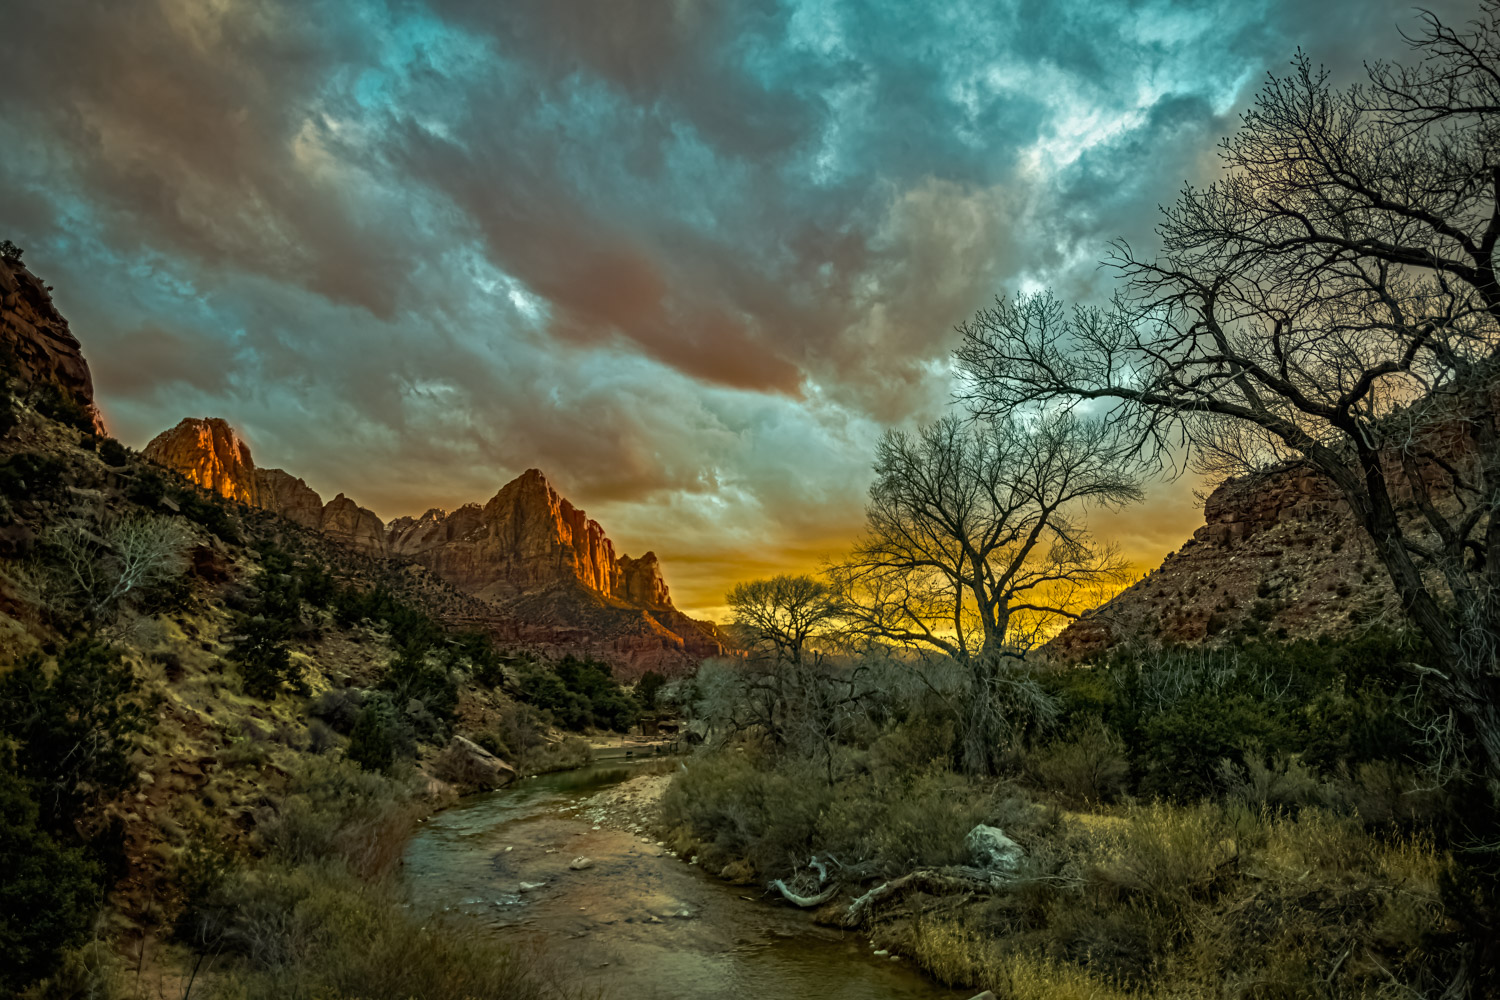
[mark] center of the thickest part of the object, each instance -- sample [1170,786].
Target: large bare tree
[1333,297]
[975,543]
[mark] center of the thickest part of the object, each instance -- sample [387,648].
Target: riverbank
[556,864]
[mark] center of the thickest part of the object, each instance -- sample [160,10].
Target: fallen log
[938,881]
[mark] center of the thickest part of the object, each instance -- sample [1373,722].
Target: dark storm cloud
[686,256]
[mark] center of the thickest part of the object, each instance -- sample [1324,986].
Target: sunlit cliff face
[689,258]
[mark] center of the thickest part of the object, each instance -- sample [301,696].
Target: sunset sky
[687,258]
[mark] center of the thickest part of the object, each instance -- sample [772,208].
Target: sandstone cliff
[1279,554]
[207,451]
[527,538]
[547,573]
[35,334]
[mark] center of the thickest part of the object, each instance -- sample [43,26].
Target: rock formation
[35,334]
[1279,555]
[526,539]
[208,452]
[547,570]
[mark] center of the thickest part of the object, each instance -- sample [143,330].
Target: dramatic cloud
[687,257]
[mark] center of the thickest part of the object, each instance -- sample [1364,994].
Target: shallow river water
[637,923]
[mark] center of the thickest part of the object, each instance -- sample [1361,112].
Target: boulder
[469,767]
[580,863]
[993,851]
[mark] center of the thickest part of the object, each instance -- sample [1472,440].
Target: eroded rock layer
[549,571]
[1279,555]
[37,337]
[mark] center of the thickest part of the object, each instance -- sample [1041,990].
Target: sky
[688,258]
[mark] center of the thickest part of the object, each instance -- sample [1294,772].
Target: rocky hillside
[42,350]
[1279,554]
[547,573]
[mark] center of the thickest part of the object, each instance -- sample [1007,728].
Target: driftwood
[818,899]
[950,880]
[805,902]
[953,879]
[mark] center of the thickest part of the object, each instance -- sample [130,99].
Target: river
[637,923]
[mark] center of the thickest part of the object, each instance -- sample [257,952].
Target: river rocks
[469,767]
[992,850]
[580,863]
[37,337]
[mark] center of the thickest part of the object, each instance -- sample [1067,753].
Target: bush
[264,659]
[378,736]
[113,452]
[10,253]
[28,476]
[52,402]
[580,694]
[75,728]
[316,931]
[48,895]
[1089,767]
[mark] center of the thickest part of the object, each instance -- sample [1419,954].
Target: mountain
[1278,554]
[547,570]
[42,350]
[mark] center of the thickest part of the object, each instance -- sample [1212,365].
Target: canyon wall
[549,570]
[1279,555]
[37,338]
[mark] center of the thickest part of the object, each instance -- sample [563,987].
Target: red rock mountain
[549,571]
[1279,554]
[207,451]
[35,334]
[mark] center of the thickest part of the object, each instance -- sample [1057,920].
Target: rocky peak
[641,582]
[37,337]
[207,451]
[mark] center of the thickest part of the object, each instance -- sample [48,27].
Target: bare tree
[975,546]
[94,570]
[1334,298]
[785,616]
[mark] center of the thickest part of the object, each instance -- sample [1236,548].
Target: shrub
[48,894]
[377,737]
[10,253]
[264,660]
[315,931]
[29,476]
[1088,767]
[75,728]
[113,452]
[580,694]
[334,812]
[51,401]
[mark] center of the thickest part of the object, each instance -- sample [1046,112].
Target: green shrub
[579,694]
[113,452]
[261,653]
[48,894]
[74,727]
[209,511]
[377,737]
[29,476]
